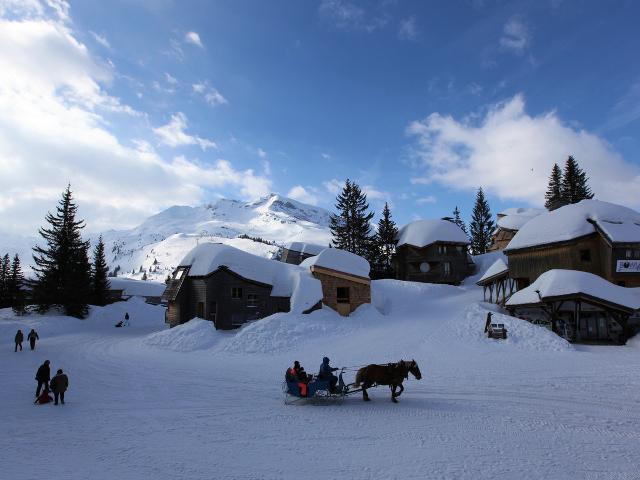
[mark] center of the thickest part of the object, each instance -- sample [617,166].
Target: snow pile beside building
[132,287]
[193,335]
[339,260]
[555,283]
[425,232]
[572,221]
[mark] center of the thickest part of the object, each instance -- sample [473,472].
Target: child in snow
[44,397]
[59,384]
[32,337]
[19,338]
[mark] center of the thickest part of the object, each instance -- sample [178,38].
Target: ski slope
[195,403]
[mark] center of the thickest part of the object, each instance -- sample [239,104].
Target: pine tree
[350,227]
[144,276]
[575,185]
[481,225]
[458,221]
[385,240]
[553,196]
[16,286]
[99,281]
[63,272]
[5,272]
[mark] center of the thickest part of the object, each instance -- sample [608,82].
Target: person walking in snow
[488,322]
[326,373]
[42,376]
[126,319]
[32,337]
[19,339]
[59,384]
[44,397]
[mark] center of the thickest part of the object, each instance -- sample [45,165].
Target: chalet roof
[578,220]
[497,268]
[558,283]
[303,247]
[339,260]
[422,233]
[524,211]
[133,287]
[515,218]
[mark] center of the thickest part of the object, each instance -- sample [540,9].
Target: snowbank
[568,282]
[339,260]
[573,221]
[132,287]
[425,232]
[196,334]
[496,268]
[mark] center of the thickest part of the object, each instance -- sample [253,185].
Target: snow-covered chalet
[296,252]
[508,223]
[231,287]
[433,251]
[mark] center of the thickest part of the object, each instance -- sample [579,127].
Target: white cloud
[55,116]
[333,186]
[170,79]
[510,154]
[210,94]
[408,29]
[304,195]
[173,134]
[426,200]
[515,36]
[325,156]
[348,15]
[193,38]
[261,153]
[101,39]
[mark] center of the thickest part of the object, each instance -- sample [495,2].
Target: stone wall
[359,292]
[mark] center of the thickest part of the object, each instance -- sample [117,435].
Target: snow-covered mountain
[157,245]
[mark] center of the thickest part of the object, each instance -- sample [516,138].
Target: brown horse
[392,374]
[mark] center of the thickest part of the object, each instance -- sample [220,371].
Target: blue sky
[145,104]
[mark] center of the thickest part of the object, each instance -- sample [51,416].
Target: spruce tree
[481,225]
[62,269]
[553,196]
[99,281]
[16,286]
[575,185]
[350,227]
[385,240]
[5,272]
[458,221]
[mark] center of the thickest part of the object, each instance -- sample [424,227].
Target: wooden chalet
[344,277]
[579,306]
[508,223]
[496,284]
[432,251]
[590,236]
[296,252]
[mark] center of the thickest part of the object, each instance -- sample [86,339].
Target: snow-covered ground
[194,403]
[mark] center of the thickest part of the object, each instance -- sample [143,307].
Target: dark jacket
[33,336]
[59,383]
[43,374]
[325,371]
[19,337]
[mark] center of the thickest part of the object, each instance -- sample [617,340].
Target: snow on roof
[141,288]
[515,220]
[496,268]
[425,232]
[572,221]
[555,283]
[339,260]
[303,247]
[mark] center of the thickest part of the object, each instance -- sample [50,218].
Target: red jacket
[43,398]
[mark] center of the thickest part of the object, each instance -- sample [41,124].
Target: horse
[392,374]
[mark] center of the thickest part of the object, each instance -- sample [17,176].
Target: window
[585,255]
[442,249]
[343,295]
[178,274]
[447,268]
[459,248]
[252,300]
[628,254]
[236,292]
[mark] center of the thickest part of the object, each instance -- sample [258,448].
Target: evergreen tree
[144,276]
[481,225]
[99,281]
[385,240]
[16,286]
[350,227]
[553,196]
[458,221]
[5,272]
[63,272]
[575,185]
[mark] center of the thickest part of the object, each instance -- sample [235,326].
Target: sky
[144,104]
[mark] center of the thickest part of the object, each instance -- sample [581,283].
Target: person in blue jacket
[326,373]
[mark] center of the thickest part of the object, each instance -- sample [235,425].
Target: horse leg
[393,394]
[365,395]
[401,390]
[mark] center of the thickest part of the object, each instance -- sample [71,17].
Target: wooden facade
[592,253]
[582,318]
[341,291]
[223,297]
[440,262]
[293,256]
[501,238]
